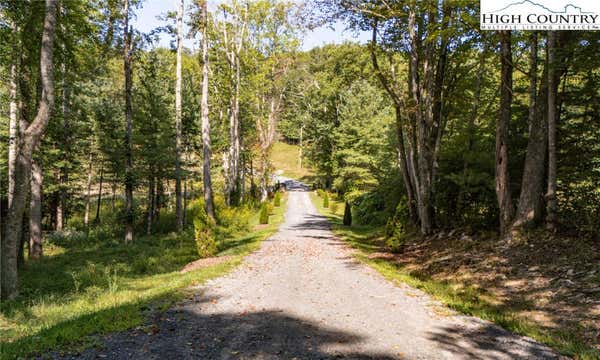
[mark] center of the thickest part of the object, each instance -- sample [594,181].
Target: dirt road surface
[303,296]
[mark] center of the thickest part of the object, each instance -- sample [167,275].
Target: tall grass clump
[277,199]
[325,200]
[264,214]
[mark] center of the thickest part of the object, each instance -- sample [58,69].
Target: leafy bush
[370,209]
[229,220]
[579,207]
[396,229]
[325,200]
[232,220]
[320,193]
[347,214]
[264,213]
[205,242]
[333,207]
[277,199]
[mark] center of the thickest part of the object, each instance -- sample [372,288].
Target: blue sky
[146,20]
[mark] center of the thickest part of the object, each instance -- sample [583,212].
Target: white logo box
[540,15]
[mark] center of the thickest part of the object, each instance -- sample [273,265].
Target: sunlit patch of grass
[285,158]
[457,296]
[87,287]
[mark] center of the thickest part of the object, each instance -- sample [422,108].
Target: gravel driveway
[303,296]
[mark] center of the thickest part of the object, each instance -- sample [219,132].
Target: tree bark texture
[529,208]
[178,126]
[35,211]
[551,204]
[206,151]
[127,49]
[29,139]
[503,195]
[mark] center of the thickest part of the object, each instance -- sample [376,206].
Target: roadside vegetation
[459,277]
[92,284]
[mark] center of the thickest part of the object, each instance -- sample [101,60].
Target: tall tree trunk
[28,141]
[127,48]
[206,177]
[150,203]
[13,127]
[424,156]
[474,112]
[529,208]
[35,211]
[234,138]
[398,106]
[551,204]
[88,193]
[159,197]
[502,174]
[99,201]
[64,170]
[185,201]
[114,194]
[233,42]
[185,184]
[178,128]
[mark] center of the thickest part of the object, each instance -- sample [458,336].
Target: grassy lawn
[88,284]
[454,294]
[285,158]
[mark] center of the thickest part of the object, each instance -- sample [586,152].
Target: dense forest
[430,127]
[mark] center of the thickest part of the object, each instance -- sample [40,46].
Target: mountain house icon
[528,6]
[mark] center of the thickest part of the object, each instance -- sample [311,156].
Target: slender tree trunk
[88,194]
[529,209]
[64,171]
[24,240]
[242,174]
[13,127]
[35,211]
[178,128]
[114,195]
[474,112]
[551,204]
[423,153]
[206,177]
[127,48]
[233,45]
[252,184]
[399,105]
[99,201]
[150,204]
[159,198]
[408,184]
[185,184]
[27,143]
[502,174]
[185,201]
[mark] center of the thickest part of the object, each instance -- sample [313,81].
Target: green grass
[85,286]
[285,157]
[464,299]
